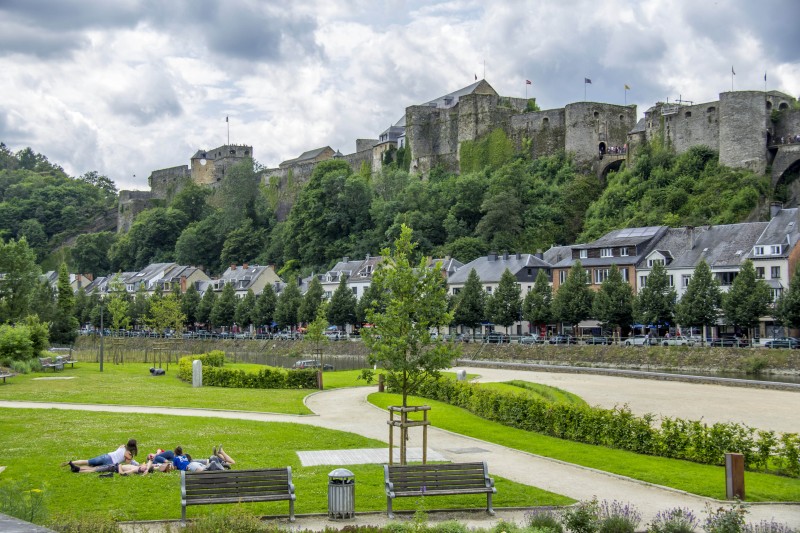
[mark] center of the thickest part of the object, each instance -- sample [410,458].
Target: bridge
[786,160]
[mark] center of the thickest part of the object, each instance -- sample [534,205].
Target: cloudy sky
[128,86]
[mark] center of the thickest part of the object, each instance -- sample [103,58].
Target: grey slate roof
[490,268]
[674,243]
[556,254]
[241,277]
[721,246]
[623,237]
[640,242]
[451,99]
[782,229]
[639,127]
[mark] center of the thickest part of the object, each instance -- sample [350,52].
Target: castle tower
[743,130]
[209,166]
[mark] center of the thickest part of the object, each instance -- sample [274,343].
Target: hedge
[216,375]
[619,428]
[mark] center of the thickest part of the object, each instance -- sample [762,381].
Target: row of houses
[772,246]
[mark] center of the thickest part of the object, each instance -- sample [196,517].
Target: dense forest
[512,203]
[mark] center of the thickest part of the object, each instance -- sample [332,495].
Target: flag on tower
[733,72]
[527,82]
[627,87]
[226,119]
[587,80]
[476,77]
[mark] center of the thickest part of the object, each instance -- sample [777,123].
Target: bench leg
[489,504]
[389,511]
[291,510]
[183,515]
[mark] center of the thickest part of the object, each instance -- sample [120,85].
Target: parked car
[640,340]
[729,342]
[497,338]
[783,342]
[531,339]
[563,339]
[311,363]
[286,335]
[677,340]
[335,335]
[599,340]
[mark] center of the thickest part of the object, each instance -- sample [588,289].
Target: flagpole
[228,123]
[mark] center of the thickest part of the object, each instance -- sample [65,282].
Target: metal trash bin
[341,494]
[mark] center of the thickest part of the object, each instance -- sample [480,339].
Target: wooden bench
[65,359]
[438,480]
[4,376]
[237,486]
[47,362]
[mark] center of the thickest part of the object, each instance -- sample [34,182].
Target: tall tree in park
[470,304]
[224,311]
[90,253]
[573,299]
[64,327]
[190,304]
[311,301]
[537,308]
[370,299]
[613,303]
[288,305]
[748,300]
[82,307]
[245,310]
[787,308]
[20,275]
[342,307]
[700,304]
[165,313]
[141,306]
[206,307]
[505,305]
[264,313]
[118,305]
[414,300]
[655,304]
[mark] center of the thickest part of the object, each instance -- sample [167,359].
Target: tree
[369,300]
[470,305]
[415,301]
[342,307]
[192,199]
[655,304]
[748,300]
[787,308]
[206,307]
[505,305]
[573,300]
[613,303]
[265,307]
[287,306]
[245,309]
[700,304]
[224,311]
[20,276]
[64,327]
[190,304]
[311,301]
[242,244]
[537,308]
[165,313]
[315,331]
[141,306]
[90,253]
[118,305]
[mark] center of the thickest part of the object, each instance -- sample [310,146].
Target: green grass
[132,384]
[704,480]
[536,390]
[34,442]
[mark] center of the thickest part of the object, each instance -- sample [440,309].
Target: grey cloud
[149,98]
[71,15]
[35,42]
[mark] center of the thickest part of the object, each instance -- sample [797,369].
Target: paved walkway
[336,409]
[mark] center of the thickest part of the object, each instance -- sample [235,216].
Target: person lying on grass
[124,469]
[161,456]
[218,461]
[124,454]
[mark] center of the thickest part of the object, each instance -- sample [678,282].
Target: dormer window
[775,249]
[583,254]
[652,262]
[623,252]
[758,250]
[606,252]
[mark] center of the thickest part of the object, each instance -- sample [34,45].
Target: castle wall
[788,125]
[689,125]
[742,130]
[375,160]
[432,135]
[365,144]
[167,181]
[590,123]
[130,204]
[544,130]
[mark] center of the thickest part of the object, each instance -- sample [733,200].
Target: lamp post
[102,334]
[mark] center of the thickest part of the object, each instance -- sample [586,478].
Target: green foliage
[90,253]
[573,299]
[787,308]
[531,105]
[342,307]
[505,305]
[265,307]
[39,333]
[537,306]
[662,188]
[165,313]
[216,375]
[192,200]
[584,517]
[748,299]
[311,301]
[151,239]
[24,499]
[492,151]
[245,309]
[190,304]
[655,303]
[613,303]
[287,306]
[64,327]
[700,305]
[725,520]
[206,306]
[224,311]
[20,275]
[470,303]
[674,520]
[16,343]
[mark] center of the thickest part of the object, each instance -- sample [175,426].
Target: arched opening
[688,114]
[596,114]
[613,166]
[602,148]
[787,188]
[545,121]
[769,105]
[783,106]
[622,118]
[711,109]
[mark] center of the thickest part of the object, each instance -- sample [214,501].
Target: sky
[131,86]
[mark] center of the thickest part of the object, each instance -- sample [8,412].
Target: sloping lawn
[34,442]
[704,480]
[537,390]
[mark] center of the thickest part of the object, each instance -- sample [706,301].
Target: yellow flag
[627,88]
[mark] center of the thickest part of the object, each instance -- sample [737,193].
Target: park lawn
[536,390]
[703,480]
[132,384]
[351,378]
[34,442]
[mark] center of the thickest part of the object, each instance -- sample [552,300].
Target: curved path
[348,410]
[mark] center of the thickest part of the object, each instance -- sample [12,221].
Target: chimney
[690,231]
[774,209]
[505,255]
[183,284]
[244,266]
[233,266]
[367,257]
[345,259]
[492,256]
[539,254]
[519,255]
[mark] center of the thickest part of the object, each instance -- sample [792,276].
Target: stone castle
[750,129]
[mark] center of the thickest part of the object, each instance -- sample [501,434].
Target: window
[456,290]
[588,274]
[489,289]
[726,278]
[624,272]
[562,276]
[355,291]
[600,275]
[652,262]
[623,252]
[775,249]
[327,295]
[606,252]
[530,272]
[685,280]
[775,272]
[758,250]
[642,281]
[584,254]
[760,272]
[671,280]
[776,294]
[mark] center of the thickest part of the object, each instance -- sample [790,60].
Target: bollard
[734,476]
[461,375]
[381,382]
[197,373]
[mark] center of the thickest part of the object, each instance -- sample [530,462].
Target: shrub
[216,375]
[91,523]
[16,343]
[618,517]
[23,367]
[544,520]
[724,520]
[768,527]
[24,500]
[583,517]
[675,520]
[237,520]
[39,333]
